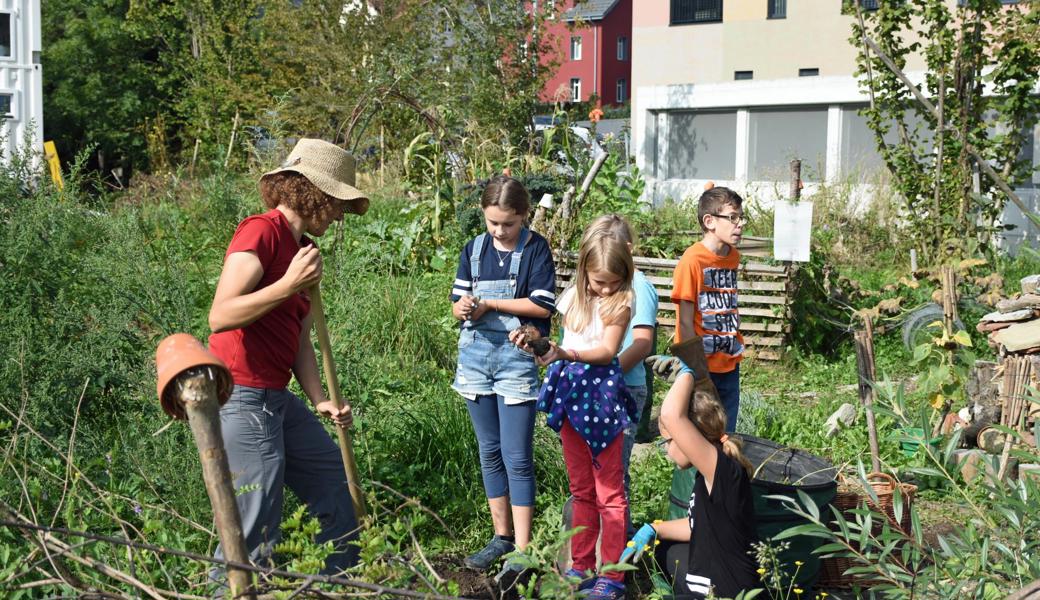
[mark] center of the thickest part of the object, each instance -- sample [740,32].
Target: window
[860,156]
[575,89]
[808,72]
[621,94]
[742,75]
[702,145]
[622,48]
[696,11]
[5,106]
[576,48]
[777,9]
[6,48]
[776,136]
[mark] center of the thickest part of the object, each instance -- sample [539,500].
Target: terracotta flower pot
[175,355]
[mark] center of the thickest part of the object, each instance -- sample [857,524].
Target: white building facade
[21,78]
[731,91]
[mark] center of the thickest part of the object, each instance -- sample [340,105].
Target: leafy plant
[948,363]
[985,557]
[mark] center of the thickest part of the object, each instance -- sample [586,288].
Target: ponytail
[708,416]
[733,448]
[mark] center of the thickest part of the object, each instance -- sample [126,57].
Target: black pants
[672,558]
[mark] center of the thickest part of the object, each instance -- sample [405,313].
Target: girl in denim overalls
[587,402]
[505,279]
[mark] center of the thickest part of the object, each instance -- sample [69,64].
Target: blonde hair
[708,416]
[600,253]
[612,225]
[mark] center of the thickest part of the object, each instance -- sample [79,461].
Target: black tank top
[723,531]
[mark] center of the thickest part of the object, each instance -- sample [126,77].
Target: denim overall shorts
[488,362]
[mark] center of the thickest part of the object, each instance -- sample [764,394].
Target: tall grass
[91,285]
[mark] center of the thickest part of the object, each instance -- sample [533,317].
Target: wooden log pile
[999,392]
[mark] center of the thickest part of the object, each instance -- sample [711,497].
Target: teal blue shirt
[645,315]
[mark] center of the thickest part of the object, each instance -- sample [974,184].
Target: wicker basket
[884,488]
[850,497]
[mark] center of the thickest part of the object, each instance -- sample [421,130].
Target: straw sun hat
[329,167]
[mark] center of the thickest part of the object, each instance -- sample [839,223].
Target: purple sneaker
[606,589]
[586,582]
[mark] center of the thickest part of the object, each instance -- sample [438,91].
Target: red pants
[599,497]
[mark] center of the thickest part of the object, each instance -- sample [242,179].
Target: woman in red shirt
[261,325]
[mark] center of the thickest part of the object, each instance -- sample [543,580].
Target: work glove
[641,541]
[664,366]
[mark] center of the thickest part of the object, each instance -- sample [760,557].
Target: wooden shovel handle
[346,446]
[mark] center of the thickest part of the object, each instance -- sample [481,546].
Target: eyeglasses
[735,218]
[663,443]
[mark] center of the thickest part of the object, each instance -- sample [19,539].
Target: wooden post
[194,156]
[1013,400]
[346,446]
[197,389]
[939,158]
[567,224]
[948,279]
[556,222]
[231,142]
[540,214]
[795,193]
[949,297]
[866,371]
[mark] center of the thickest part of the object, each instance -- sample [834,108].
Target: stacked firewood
[1014,328]
[999,392]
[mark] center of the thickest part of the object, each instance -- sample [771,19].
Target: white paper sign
[792,230]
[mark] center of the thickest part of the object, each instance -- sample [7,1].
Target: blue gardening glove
[641,541]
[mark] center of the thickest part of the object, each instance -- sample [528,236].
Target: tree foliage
[190,76]
[99,85]
[982,66]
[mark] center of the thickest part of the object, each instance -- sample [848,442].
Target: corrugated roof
[589,10]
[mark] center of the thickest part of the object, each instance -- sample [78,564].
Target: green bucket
[910,440]
[778,471]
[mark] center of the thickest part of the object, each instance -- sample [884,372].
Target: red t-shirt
[262,353]
[710,282]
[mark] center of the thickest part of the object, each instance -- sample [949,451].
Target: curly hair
[298,193]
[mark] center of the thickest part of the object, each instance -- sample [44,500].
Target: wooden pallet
[764,299]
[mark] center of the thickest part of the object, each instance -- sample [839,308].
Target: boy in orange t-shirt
[705,291]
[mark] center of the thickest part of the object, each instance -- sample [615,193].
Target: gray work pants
[273,438]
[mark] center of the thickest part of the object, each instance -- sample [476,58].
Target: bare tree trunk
[198,393]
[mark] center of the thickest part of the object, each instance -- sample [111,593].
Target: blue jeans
[728,386]
[505,435]
[639,396]
[272,439]
[489,364]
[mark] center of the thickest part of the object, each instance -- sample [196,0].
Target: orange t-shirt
[710,282]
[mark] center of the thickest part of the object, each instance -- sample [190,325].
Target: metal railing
[696,11]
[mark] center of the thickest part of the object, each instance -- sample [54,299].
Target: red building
[595,57]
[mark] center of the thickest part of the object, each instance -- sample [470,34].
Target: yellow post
[50,153]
